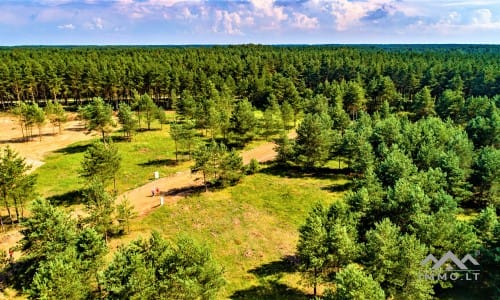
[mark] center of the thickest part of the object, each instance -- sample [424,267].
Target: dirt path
[177,186]
[35,150]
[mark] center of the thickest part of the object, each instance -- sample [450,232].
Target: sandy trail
[35,150]
[177,186]
[172,188]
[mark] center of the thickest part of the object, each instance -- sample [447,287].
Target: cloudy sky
[49,22]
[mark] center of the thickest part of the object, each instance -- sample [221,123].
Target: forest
[413,129]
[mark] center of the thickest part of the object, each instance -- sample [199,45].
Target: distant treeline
[255,72]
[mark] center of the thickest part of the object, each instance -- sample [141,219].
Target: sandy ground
[172,188]
[35,150]
[179,185]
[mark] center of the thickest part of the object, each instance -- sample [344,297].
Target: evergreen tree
[16,185]
[313,143]
[99,116]
[56,114]
[243,121]
[100,206]
[423,103]
[101,162]
[352,283]
[159,269]
[312,247]
[60,278]
[127,120]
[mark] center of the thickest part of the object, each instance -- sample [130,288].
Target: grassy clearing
[250,228]
[148,152]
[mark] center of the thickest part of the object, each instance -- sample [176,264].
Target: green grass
[148,152]
[250,228]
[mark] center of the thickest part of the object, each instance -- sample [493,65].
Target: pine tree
[313,143]
[351,283]
[99,116]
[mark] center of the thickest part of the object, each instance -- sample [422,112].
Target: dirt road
[177,186]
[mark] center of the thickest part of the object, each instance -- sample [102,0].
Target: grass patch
[251,231]
[148,152]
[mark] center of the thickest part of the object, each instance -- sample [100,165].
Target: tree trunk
[315,283]
[176,151]
[17,209]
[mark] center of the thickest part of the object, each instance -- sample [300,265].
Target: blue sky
[111,22]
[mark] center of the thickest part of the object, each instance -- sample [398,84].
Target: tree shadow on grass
[338,187]
[287,264]
[289,171]
[270,287]
[67,199]
[159,162]
[73,149]
[270,290]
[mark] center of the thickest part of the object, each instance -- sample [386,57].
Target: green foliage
[101,162]
[285,149]
[243,121]
[286,115]
[183,135]
[394,262]
[486,174]
[396,165]
[16,185]
[98,116]
[48,232]
[157,269]
[253,166]
[100,206]
[127,120]
[56,114]
[60,278]
[352,283]
[312,146]
[217,164]
[312,247]
[423,103]
[148,108]
[29,115]
[124,215]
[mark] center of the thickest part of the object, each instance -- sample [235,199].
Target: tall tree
[99,116]
[243,121]
[101,162]
[312,247]
[351,283]
[56,114]
[127,120]
[149,109]
[156,268]
[16,185]
[100,206]
[312,146]
[423,103]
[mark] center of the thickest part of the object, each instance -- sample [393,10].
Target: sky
[179,22]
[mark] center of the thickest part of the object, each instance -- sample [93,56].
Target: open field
[251,231]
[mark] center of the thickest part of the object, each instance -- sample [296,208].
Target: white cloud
[266,8]
[302,21]
[229,22]
[349,13]
[66,26]
[482,16]
[96,24]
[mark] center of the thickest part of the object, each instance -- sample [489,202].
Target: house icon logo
[454,268]
[448,259]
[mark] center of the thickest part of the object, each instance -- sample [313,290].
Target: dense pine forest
[414,128]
